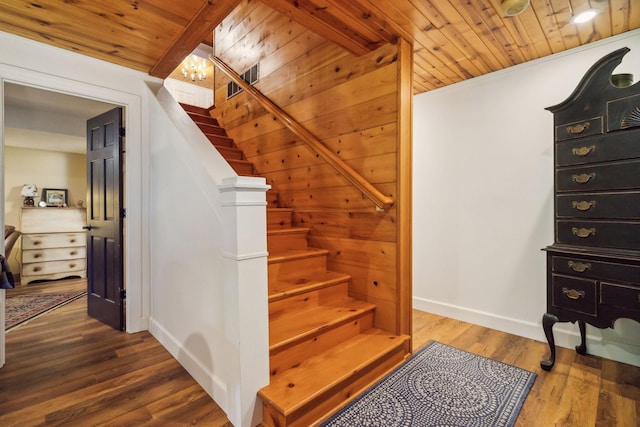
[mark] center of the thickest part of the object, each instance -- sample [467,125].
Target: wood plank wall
[348,102]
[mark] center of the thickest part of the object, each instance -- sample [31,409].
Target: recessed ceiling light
[584,16]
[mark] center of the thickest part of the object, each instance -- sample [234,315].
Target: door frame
[136,242]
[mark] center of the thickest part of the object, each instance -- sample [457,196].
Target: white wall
[483,197]
[209,305]
[209,290]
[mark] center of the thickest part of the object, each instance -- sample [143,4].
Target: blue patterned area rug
[441,386]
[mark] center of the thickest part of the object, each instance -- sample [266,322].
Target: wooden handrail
[382,201]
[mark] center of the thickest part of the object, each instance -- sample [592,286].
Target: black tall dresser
[593,266]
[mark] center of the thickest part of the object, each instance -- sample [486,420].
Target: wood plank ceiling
[453,40]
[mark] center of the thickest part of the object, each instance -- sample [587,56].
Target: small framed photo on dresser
[55,196]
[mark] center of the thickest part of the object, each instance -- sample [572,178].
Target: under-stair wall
[353,104]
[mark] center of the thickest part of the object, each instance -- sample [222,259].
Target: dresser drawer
[579,129]
[624,205]
[53,254]
[627,297]
[621,235]
[582,267]
[43,268]
[574,294]
[53,240]
[614,146]
[608,176]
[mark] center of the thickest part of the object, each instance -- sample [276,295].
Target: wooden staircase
[324,349]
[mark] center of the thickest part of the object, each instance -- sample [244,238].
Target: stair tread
[302,284]
[289,327]
[292,254]
[319,374]
[288,230]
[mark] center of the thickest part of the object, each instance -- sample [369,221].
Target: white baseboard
[565,334]
[212,384]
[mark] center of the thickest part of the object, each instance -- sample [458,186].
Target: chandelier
[194,68]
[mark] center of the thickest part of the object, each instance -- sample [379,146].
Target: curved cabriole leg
[582,348]
[548,320]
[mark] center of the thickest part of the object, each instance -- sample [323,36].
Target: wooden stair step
[287,264]
[277,217]
[204,118]
[195,109]
[242,167]
[230,153]
[323,296]
[312,390]
[290,328]
[211,129]
[281,239]
[220,140]
[305,283]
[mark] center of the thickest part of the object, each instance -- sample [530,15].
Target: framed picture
[54,196]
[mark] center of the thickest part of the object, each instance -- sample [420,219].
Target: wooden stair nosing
[293,255]
[331,369]
[289,230]
[288,288]
[288,328]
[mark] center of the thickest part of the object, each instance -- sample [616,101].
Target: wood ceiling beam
[318,20]
[199,28]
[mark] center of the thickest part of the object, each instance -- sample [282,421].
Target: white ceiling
[45,120]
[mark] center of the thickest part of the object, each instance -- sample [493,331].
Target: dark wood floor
[65,368]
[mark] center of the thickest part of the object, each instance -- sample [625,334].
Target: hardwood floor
[66,368]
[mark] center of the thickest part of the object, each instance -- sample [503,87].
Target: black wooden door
[105,284]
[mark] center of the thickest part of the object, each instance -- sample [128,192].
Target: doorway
[21,102]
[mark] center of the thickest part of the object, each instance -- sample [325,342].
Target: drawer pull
[72,240]
[36,242]
[583,178]
[578,129]
[37,255]
[583,151]
[580,267]
[572,293]
[73,253]
[583,205]
[583,232]
[37,268]
[71,265]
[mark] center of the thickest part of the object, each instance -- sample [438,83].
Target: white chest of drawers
[54,245]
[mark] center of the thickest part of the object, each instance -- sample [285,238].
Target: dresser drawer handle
[73,253]
[583,151]
[572,293]
[579,128]
[71,265]
[583,205]
[35,256]
[583,232]
[37,268]
[580,267]
[36,242]
[583,178]
[72,240]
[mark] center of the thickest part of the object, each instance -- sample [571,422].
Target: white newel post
[246,310]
